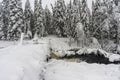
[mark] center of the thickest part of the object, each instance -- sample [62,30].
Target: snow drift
[24,62]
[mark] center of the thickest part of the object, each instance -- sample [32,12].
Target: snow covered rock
[114,57]
[35,39]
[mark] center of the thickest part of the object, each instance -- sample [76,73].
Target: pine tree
[28,16]
[16,24]
[47,21]
[1,22]
[35,16]
[32,24]
[99,17]
[115,29]
[59,17]
[39,25]
[73,17]
[85,17]
[5,15]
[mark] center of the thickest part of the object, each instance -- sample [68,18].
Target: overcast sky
[49,2]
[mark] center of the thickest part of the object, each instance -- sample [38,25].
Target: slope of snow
[23,62]
[60,70]
[4,44]
[114,57]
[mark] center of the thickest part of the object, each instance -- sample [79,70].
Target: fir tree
[5,15]
[35,15]
[16,24]
[85,17]
[47,21]
[39,25]
[28,16]
[1,22]
[59,17]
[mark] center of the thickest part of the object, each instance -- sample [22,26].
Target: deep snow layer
[61,70]
[23,62]
[27,62]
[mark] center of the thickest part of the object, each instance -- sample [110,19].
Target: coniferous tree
[59,17]
[5,15]
[85,17]
[32,24]
[115,29]
[16,24]
[1,22]
[28,16]
[69,20]
[35,15]
[47,21]
[40,25]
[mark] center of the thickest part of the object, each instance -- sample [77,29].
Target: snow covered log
[90,55]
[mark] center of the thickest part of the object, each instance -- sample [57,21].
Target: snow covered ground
[61,70]
[27,62]
[24,62]
[4,44]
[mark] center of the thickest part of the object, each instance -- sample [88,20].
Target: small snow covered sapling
[21,39]
[35,39]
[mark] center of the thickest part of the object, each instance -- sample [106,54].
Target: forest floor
[28,62]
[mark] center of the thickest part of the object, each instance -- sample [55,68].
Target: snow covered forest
[70,41]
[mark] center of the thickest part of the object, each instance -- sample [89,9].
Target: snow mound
[61,70]
[23,62]
[92,50]
[114,57]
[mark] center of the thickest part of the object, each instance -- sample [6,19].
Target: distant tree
[16,24]
[5,15]
[1,22]
[47,21]
[59,17]
[35,16]
[39,25]
[99,21]
[28,16]
[85,17]
[32,24]
[73,17]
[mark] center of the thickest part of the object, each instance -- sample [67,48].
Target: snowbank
[112,57]
[23,62]
[60,70]
[4,44]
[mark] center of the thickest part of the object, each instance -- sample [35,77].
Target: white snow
[4,44]
[23,62]
[60,70]
[27,62]
[114,57]
[21,39]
